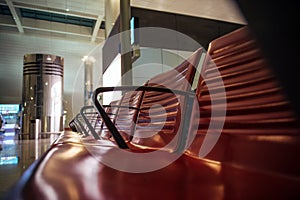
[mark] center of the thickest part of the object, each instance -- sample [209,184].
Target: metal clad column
[42,95]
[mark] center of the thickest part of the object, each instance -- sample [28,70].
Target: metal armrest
[80,127]
[110,125]
[86,120]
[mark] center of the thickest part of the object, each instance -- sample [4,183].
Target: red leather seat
[260,129]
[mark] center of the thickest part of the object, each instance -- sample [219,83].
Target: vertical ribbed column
[42,95]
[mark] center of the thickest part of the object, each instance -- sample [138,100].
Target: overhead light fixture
[67,9]
[88,59]
[84,58]
[48,58]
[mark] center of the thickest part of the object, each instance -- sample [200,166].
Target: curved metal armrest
[86,120]
[112,128]
[80,127]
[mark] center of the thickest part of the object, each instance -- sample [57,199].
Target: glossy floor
[17,155]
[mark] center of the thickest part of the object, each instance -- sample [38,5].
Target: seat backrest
[127,113]
[111,110]
[239,92]
[160,113]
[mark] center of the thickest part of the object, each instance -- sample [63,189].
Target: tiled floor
[17,155]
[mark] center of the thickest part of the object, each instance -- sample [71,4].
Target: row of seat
[150,115]
[235,137]
[240,103]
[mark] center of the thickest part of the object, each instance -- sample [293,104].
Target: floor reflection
[16,156]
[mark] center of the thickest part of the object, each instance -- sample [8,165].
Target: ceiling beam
[96,28]
[15,15]
[52,31]
[8,25]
